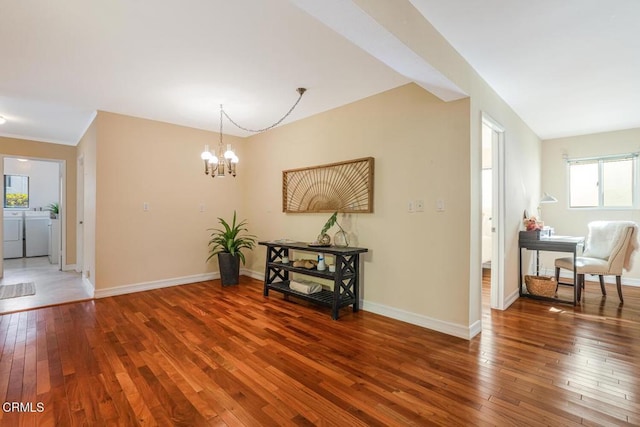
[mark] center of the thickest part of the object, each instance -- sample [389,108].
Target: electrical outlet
[145,206]
[201,207]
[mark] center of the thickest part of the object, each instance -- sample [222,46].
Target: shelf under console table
[345,279]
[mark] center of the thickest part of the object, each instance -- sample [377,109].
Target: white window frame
[600,160]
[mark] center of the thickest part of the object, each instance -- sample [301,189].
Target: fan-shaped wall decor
[343,186]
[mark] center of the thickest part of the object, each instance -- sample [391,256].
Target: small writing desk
[552,244]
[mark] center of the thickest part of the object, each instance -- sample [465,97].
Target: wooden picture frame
[343,186]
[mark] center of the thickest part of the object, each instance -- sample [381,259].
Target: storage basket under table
[543,286]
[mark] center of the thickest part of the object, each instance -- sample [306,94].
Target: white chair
[608,250]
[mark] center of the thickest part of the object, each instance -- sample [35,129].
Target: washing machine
[36,233]
[13,234]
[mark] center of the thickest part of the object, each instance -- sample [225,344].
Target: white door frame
[62,170]
[80,215]
[498,212]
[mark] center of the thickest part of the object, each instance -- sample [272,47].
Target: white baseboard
[252,273]
[511,299]
[460,331]
[69,267]
[405,316]
[565,274]
[157,284]
[88,286]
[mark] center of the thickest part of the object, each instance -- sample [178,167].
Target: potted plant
[227,243]
[339,239]
[54,210]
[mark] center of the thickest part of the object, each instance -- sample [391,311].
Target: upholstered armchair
[608,250]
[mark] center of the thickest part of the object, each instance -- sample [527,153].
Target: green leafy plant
[54,208]
[230,239]
[333,220]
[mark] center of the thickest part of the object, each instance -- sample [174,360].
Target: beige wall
[554,181]
[142,161]
[41,150]
[420,146]
[522,146]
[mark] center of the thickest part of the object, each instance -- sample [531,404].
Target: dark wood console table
[345,278]
[554,244]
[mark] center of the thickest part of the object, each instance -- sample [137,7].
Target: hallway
[52,286]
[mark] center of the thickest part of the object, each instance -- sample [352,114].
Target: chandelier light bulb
[213,160]
[206,154]
[2,120]
[234,159]
[229,154]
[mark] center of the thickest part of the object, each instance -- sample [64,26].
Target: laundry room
[31,209]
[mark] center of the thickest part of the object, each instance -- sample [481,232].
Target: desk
[345,279]
[552,244]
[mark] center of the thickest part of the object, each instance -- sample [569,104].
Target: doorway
[493,209]
[31,210]
[34,239]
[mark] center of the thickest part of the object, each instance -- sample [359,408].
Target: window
[606,182]
[16,191]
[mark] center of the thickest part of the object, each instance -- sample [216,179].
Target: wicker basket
[541,285]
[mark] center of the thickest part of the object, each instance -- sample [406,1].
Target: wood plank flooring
[205,355]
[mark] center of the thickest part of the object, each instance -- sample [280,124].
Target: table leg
[520,272]
[576,285]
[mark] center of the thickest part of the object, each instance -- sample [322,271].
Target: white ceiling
[566,67]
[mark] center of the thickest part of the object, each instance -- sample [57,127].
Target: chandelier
[224,162]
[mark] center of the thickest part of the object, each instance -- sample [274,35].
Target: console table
[345,278]
[553,244]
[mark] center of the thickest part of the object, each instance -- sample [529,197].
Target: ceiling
[566,68]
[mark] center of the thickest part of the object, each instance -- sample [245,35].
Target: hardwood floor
[205,355]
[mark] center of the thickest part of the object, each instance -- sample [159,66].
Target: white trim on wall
[156,284]
[460,331]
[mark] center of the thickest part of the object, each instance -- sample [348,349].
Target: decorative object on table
[532,224]
[228,244]
[309,264]
[548,198]
[340,239]
[544,200]
[223,162]
[305,286]
[285,260]
[321,265]
[54,210]
[542,286]
[344,186]
[332,268]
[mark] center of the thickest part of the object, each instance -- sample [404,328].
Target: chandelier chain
[301,92]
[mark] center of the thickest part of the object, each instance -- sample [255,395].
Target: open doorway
[33,235]
[492,211]
[31,210]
